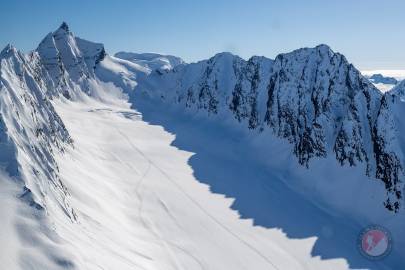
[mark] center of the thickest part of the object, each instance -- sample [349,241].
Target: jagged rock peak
[66,57]
[322,50]
[8,50]
[64,26]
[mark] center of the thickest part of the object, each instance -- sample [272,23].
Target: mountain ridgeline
[311,97]
[31,131]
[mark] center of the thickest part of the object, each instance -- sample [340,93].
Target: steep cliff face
[8,153]
[33,138]
[312,97]
[388,153]
[223,84]
[69,61]
[31,132]
[246,101]
[30,129]
[389,145]
[321,103]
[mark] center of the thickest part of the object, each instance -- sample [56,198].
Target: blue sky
[368,32]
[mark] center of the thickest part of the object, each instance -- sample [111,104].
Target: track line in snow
[140,214]
[147,223]
[197,204]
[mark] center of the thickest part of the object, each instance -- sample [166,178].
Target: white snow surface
[152,61]
[144,204]
[148,185]
[142,207]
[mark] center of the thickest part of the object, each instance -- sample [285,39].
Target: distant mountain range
[379,78]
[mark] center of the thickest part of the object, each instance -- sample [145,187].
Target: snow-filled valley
[146,162]
[142,207]
[146,203]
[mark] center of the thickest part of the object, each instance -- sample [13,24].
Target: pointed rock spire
[8,50]
[64,26]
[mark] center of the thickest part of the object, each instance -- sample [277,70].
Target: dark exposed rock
[379,78]
[311,97]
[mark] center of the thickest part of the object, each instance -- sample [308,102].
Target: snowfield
[141,207]
[143,203]
[154,164]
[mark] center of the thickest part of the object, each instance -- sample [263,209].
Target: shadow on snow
[224,161]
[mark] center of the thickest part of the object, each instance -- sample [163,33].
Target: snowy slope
[131,187]
[31,136]
[312,97]
[69,61]
[210,165]
[139,195]
[31,129]
[152,61]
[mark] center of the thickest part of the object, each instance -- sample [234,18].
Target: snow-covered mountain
[102,186]
[312,97]
[31,130]
[152,61]
[69,61]
[379,78]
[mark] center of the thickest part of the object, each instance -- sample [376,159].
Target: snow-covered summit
[31,130]
[66,57]
[312,97]
[153,61]
[64,27]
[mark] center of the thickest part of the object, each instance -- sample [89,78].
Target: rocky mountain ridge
[312,97]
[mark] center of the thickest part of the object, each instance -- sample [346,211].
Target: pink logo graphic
[375,242]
